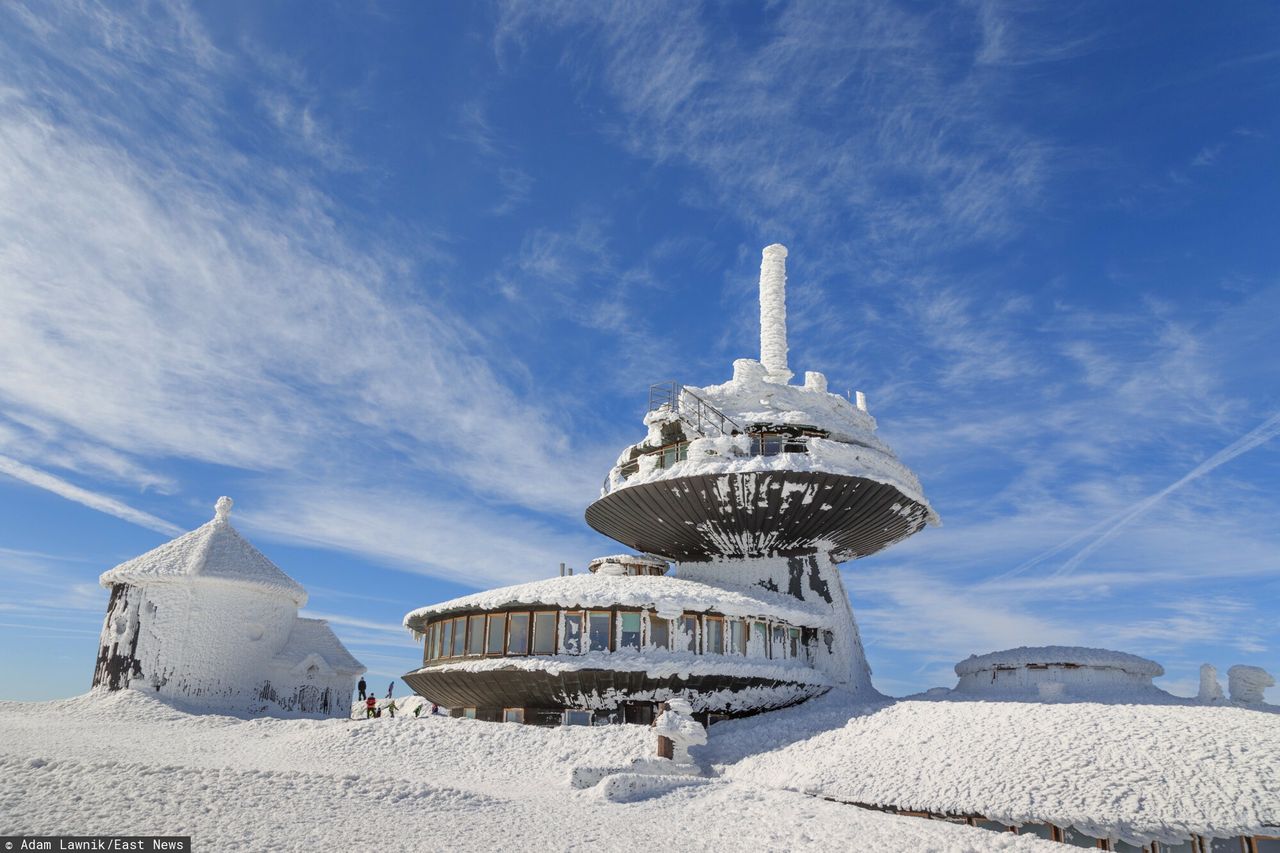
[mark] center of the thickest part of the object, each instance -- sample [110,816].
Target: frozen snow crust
[851,447]
[670,597]
[126,763]
[1138,772]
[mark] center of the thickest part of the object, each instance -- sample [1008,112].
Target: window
[1187,846]
[779,641]
[793,638]
[598,630]
[759,640]
[446,644]
[518,634]
[572,634]
[737,637]
[659,632]
[688,641]
[713,639]
[475,636]
[459,635]
[1226,845]
[429,648]
[1076,838]
[544,632]
[514,715]
[992,825]
[469,713]
[1039,830]
[497,628]
[629,630]
[577,718]
[1266,843]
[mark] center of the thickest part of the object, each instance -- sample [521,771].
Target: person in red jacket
[370,706]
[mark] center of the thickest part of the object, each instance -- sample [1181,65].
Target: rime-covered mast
[773,313]
[760,483]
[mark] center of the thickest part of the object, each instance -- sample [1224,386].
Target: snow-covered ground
[126,763]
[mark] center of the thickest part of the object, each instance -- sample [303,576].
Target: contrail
[1110,527]
[1268,430]
[93,500]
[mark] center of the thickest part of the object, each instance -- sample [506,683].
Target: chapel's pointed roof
[215,551]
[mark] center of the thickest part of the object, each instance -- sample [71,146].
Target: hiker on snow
[390,688]
[391,709]
[361,686]
[370,705]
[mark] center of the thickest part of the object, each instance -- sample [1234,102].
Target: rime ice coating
[773,313]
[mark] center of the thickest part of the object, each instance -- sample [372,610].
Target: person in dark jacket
[361,686]
[391,689]
[370,706]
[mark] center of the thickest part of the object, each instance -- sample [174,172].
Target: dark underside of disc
[704,517]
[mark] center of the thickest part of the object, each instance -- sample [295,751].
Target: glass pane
[459,635]
[629,637]
[598,632]
[689,634]
[779,641]
[573,633]
[1266,845]
[1039,830]
[737,637]
[475,636]
[793,637]
[1126,847]
[992,825]
[714,639]
[544,633]
[513,715]
[659,632]
[1226,845]
[446,648]
[469,713]
[1184,847]
[1076,838]
[497,625]
[759,640]
[577,718]
[518,634]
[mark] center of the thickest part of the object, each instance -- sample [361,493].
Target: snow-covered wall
[1057,671]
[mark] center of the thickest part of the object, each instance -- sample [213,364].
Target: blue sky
[396,278]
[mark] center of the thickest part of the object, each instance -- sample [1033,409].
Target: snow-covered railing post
[678,730]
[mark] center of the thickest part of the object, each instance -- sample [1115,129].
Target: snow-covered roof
[310,637]
[213,551]
[1133,771]
[668,596]
[1060,655]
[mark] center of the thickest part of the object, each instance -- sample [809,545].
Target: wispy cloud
[93,500]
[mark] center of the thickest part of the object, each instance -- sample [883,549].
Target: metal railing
[700,415]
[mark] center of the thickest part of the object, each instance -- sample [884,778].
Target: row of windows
[1076,838]
[575,632]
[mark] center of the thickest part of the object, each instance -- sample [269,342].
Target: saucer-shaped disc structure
[704,517]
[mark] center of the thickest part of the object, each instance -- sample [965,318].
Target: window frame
[649,642]
[459,648]
[490,620]
[565,615]
[608,614]
[446,639]
[639,632]
[472,620]
[534,633]
[528,631]
[507,714]
[707,620]
[696,619]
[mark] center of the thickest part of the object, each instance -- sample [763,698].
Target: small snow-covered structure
[208,620]
[1056,671]
[677,727]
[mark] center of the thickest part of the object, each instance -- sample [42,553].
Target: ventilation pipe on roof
[862,401]
[562,570]
[773,313]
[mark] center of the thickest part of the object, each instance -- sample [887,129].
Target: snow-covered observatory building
[756,489]
[208,620]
